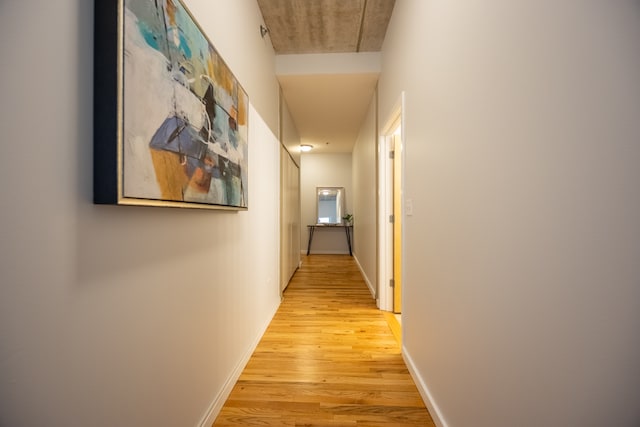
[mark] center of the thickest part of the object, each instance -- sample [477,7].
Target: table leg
[347,229]
[311,230]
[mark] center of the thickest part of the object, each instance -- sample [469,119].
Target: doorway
[390,184]
[396,246]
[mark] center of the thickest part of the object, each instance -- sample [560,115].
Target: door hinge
[392,283]
[391,219]
[392,154]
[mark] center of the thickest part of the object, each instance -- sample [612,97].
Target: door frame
[395,120]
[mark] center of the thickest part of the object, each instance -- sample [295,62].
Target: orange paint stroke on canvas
[170,174]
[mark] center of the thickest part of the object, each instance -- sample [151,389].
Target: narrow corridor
[328,358]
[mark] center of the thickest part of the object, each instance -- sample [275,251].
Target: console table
[348,229]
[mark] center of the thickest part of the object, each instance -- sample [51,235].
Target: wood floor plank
[328,358]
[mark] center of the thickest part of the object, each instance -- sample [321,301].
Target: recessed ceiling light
[305,147]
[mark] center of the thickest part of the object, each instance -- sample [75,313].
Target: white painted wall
[364,198]
[323,170]
[328,63]
[289,136]
[120,316]
[521,287]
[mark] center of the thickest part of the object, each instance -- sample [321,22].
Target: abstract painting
[177,132]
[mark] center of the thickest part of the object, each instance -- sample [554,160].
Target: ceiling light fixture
[305,147]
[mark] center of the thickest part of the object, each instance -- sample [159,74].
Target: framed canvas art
[170,118]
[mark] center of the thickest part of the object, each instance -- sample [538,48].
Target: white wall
[289,136]
[120,316]
[521,296]
[364,199]
[328,63]
[323,170]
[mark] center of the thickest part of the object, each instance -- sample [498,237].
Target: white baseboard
[218,402]
[319,252]
[435,412]
[366,280]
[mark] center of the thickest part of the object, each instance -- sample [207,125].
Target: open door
[390,212]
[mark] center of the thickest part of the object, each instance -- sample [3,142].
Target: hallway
[328,358]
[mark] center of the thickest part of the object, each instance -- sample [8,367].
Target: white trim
[426,395]
[218,402]
[388,226]
[385,296]
[321,252]
[366,279]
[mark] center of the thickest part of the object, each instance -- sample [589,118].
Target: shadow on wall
[113,239]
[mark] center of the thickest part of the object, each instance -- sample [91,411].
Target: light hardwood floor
[328,358]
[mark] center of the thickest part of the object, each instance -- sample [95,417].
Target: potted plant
[348,219]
